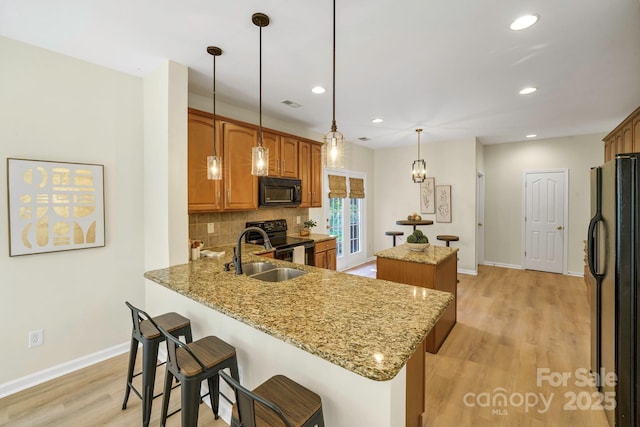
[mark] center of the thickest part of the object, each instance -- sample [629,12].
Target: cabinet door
[320,259]
[289,157]
[636,135]
[619,144]
[609,145]
[316,175]
[331,259]
[304,171]
[204,195]
[627,138]
[272,142]
[241,188]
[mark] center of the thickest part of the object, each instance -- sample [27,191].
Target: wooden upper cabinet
[625,138]
[316,175]
[241,188]
[289,157]
[636,134]
[283,154]
[204,195]
[271,141]
[304,168]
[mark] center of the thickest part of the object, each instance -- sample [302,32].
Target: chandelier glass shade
[419,166]
[260,154]
[214,162]
[334,141]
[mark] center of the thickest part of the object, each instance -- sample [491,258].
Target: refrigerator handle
[591,246]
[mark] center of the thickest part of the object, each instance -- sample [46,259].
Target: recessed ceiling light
[523,22]
[528,90]
[377,120]
[531,135]
[318,89]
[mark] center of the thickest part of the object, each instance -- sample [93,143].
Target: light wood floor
[510,323]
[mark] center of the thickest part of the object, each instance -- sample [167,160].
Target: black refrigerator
[613,255]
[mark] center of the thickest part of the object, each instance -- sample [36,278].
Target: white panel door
[544,221]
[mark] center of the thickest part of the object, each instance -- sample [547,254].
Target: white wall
[504,166]
[165,167]
[54,107]
[396,195]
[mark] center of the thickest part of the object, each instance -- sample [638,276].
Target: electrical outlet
[298,220]
[36,338]
[210,227]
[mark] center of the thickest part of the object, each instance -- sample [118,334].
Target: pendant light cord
[334,128]
[215,154]
[260,90]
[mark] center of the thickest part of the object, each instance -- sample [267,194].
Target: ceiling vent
[291,104]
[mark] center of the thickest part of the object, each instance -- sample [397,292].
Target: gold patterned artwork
[54,206]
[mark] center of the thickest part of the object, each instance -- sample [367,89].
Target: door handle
[479,224]
[559,227]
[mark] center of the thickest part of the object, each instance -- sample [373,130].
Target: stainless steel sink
[256,267]
[278,274]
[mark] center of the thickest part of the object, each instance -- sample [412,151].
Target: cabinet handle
[284,165]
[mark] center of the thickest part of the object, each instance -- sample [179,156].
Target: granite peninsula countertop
[368,326]
[431,255]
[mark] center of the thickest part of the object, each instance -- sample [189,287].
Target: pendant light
[214,162]
[334,140]
[419,167]
[259,154]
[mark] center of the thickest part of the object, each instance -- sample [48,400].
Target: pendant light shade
[334,140]
[260,154]
[419,167]
[214,162]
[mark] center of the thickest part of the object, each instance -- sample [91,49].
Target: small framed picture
[443,203]
[427,199]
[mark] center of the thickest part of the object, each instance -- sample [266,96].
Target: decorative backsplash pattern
[227,225]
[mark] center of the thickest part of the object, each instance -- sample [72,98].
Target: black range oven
[284,245]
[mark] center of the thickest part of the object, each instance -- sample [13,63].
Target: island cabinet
[204,195]
[325,254]
[283,154]
[434,268]
[625,138]
[241,188]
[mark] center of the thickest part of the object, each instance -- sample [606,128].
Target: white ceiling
[452,67]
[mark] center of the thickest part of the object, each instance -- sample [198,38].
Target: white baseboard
[575,273]
[39,377]
[469,272]
[499,264]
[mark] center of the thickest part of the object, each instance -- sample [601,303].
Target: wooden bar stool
[281,401]
[144,331]
[394,234]
[447,238]
[191,364]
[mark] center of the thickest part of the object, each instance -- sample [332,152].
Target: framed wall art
[427,199]
[54,206]
[443,203]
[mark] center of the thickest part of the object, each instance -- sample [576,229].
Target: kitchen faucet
[237,252]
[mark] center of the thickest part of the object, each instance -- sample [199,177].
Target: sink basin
[278,274]
[256,267]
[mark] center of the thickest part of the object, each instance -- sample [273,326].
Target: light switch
[298,220]
[210,227]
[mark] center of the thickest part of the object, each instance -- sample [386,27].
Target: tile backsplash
[227,225]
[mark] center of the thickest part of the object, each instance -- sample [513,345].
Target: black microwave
[279,191]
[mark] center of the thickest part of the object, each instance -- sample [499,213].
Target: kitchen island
[434,268]
[357,342]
